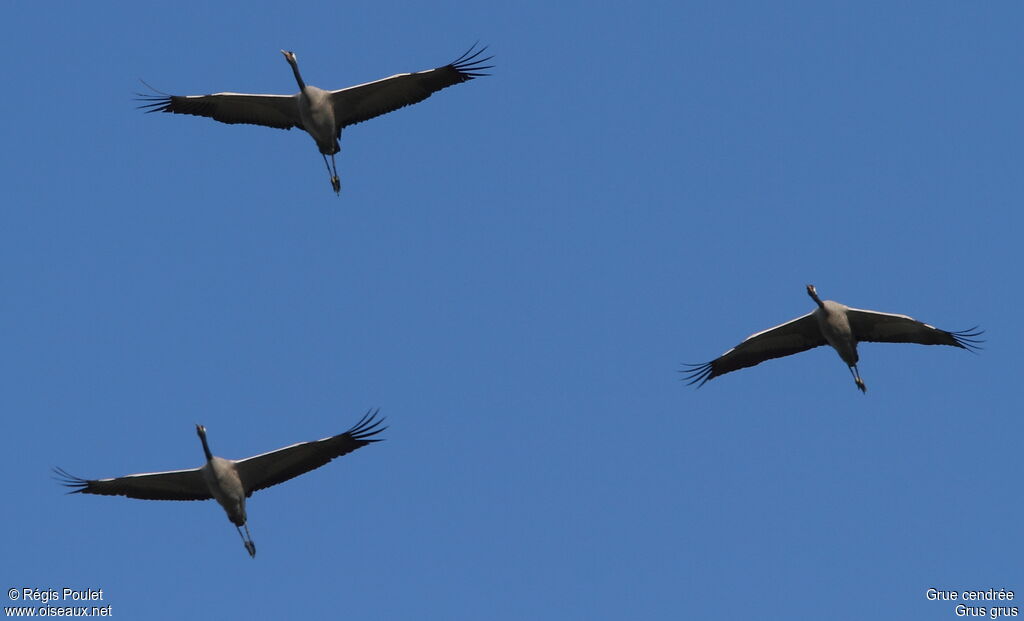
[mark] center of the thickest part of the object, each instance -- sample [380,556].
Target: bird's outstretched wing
[280,111]
[868,325]
[172,485]
[362,102]
[792,337]
[262,471]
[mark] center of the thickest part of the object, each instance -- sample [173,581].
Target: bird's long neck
[298,76]
[206,447]
[814,296]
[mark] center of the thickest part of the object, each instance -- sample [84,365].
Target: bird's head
[201,431]
[811,291]
[289,56]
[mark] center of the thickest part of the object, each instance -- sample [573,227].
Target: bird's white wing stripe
[283,448]
[150,474]
[391,77]
[874,312]
[778,327]
[894,315]
[237,95]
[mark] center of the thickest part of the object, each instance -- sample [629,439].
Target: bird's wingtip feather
[470,65]
[158,102]
[369,425]
[696,373]
[67,479]
[967,339]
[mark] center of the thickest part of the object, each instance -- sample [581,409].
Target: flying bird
[834,324]
[323,114]
[231,481]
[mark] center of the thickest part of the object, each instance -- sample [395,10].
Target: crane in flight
[833,324]
[323,114]
[231,481]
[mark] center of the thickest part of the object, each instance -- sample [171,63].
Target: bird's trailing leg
[333,172]
[857,379]
[250,547]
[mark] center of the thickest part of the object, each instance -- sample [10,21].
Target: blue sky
[514,272]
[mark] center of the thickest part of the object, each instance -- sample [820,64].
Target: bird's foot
[251,547]
[860,384]
[336,184]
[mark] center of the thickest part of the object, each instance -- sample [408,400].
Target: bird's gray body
[317,113]
[835,327]
[226,487]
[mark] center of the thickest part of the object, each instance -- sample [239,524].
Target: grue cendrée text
[231,481]
[323,114]
[834,324]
